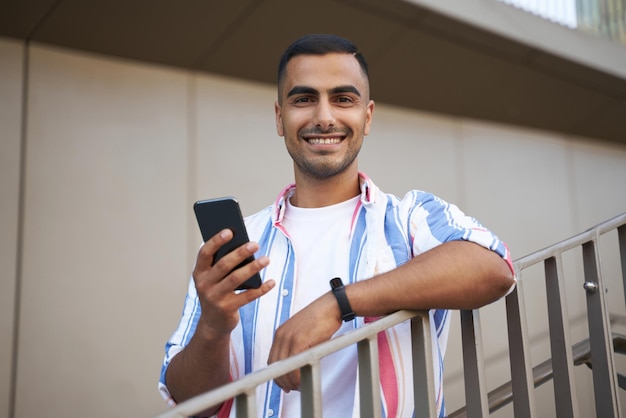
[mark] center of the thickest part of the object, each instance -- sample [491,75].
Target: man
[418,252]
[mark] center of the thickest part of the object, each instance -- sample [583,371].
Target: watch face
[336,282]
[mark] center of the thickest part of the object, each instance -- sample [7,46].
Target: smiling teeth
[324,141]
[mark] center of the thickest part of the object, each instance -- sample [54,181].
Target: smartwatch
[336,285]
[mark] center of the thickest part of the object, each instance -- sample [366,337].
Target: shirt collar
[369,192]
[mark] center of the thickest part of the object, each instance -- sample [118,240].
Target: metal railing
[543,372]
[479,403]
[520,390]
[244,389]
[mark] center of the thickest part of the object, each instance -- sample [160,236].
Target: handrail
[244,388]
[570,243]
[543,372]
[601,346]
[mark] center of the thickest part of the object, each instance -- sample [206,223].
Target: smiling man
[342,254]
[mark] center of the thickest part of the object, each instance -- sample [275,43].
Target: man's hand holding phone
[216,282]
[226,263]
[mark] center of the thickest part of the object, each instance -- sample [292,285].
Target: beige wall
[10,121]
[118,151]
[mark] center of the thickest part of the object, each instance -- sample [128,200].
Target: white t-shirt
[321,241]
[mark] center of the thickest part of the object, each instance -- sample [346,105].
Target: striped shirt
[386,232]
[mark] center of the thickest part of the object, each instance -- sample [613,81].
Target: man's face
[323,112]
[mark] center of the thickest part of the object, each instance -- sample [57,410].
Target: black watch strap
[339,291]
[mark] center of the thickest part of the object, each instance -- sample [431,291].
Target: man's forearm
[454,275]
[203,365]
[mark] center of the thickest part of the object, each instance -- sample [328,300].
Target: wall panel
[238,150]
[408,150]
[11,85]
[105,234]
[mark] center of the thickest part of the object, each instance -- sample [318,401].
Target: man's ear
[279,120]
[368,117]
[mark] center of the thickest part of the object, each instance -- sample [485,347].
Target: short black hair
[320,44]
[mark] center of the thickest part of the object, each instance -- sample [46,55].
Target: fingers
[222,273]
[290,340]
[208,250]
[307,328]
[231,269]
[290,381]
[216,284]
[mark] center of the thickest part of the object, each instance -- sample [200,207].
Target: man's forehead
[334,60]
[333,69]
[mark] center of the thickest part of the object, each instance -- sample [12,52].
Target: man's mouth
[323,141]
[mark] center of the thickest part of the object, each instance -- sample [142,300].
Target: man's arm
[453,275]
[204,363]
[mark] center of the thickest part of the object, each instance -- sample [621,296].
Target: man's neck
[314,193]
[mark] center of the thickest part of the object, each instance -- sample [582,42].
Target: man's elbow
[502,280]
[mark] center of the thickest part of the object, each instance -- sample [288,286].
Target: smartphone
[214,215]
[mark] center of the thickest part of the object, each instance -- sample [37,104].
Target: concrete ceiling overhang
[422,54]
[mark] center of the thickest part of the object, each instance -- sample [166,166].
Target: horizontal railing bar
[308,357]
[570,243]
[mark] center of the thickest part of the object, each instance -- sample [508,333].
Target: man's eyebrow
[345,89]
[302,90]
[335,90]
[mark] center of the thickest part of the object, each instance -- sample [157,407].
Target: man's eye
[302,100]
[344,100]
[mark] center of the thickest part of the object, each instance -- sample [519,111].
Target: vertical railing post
[311,391]
[519,353]
[560,342]
[600,341]
[423,375]
[621,236]
[245,404]
[476,401]
[369,378]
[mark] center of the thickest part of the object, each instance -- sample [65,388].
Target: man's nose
[324,115]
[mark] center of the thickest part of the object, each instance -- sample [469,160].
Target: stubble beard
[324,165]
[321,168]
